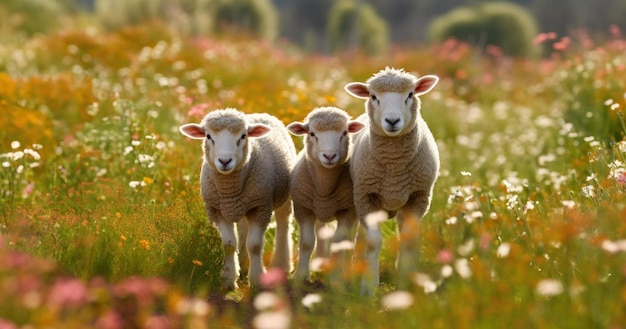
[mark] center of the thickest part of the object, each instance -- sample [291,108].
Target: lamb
[394,165]
[320,183]
[245,173]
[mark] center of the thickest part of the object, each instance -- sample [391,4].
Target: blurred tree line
[327,25]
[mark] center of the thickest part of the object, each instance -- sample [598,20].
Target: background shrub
[506,25]
[30,16]
[351,24]
[199,17]
[257,16]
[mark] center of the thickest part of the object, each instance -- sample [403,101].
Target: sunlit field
[102,224]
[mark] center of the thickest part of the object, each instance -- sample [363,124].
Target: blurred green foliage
[355,24]
[505,25]
[201,17]
[30,16]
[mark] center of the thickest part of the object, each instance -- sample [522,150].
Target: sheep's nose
[225,162]
[330,157]
[392,122]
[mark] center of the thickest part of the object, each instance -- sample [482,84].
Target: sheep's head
[225,134]
[392,99]
[326,135]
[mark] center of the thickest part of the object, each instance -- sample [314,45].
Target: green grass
[100,193]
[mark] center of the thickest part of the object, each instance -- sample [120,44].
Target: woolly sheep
[394,165]
[245,173]
[321,187]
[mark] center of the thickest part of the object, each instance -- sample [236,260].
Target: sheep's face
[392,102]
[324,144]
[225,150]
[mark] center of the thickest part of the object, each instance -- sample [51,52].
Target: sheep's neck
[404,147]
[325,179]
[231,185]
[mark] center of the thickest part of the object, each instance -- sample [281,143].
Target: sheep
[245,173]
[320,183]
[394,165]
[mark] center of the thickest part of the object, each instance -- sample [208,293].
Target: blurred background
[327,26]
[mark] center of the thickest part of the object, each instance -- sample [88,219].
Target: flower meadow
[102,225]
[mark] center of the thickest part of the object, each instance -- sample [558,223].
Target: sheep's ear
[298,128]
[193,130]
[355,126]
[258,130]
[358,89]
[425,84]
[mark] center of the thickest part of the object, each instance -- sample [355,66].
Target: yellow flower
[144,244]
[196,262]
[148,180]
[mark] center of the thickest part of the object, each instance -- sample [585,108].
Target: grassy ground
[102,224]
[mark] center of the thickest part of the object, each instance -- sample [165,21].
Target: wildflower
[549,287]
[266,300]
[589,191]
[198,110]
[503,250]
[444,256]
[68,292]
[466,248]
[272,320]
[148,180]
[397,300]
[568,204]
[447,271]
[15,145]
[193,305]
[144,244]
[273,277]
[342,245]
[462,267]
[621,179]
[311,299]
[28,190]
[424,281]
[375,218]
[196,262]
[325,232]
[613,247]
[466,173]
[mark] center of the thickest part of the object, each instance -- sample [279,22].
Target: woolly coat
[261,184]
[323,191]
[393,173]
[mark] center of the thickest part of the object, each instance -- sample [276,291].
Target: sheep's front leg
[341,247]
[374,238]
[283,246]
[306,222]
[406,263]
[254,242]
[229,241]
[242,252]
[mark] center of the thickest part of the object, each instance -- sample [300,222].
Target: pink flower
[28,190]
[445,256]
[68,292]
[198,110]
[273,277]
[621,179]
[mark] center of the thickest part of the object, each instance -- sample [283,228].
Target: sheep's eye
[312,134]
[410,95]
[345,132]
[374,97]
[244,136]
[208,136]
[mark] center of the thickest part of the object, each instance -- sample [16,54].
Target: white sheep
[244,175]
[394,165]
[320,183]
